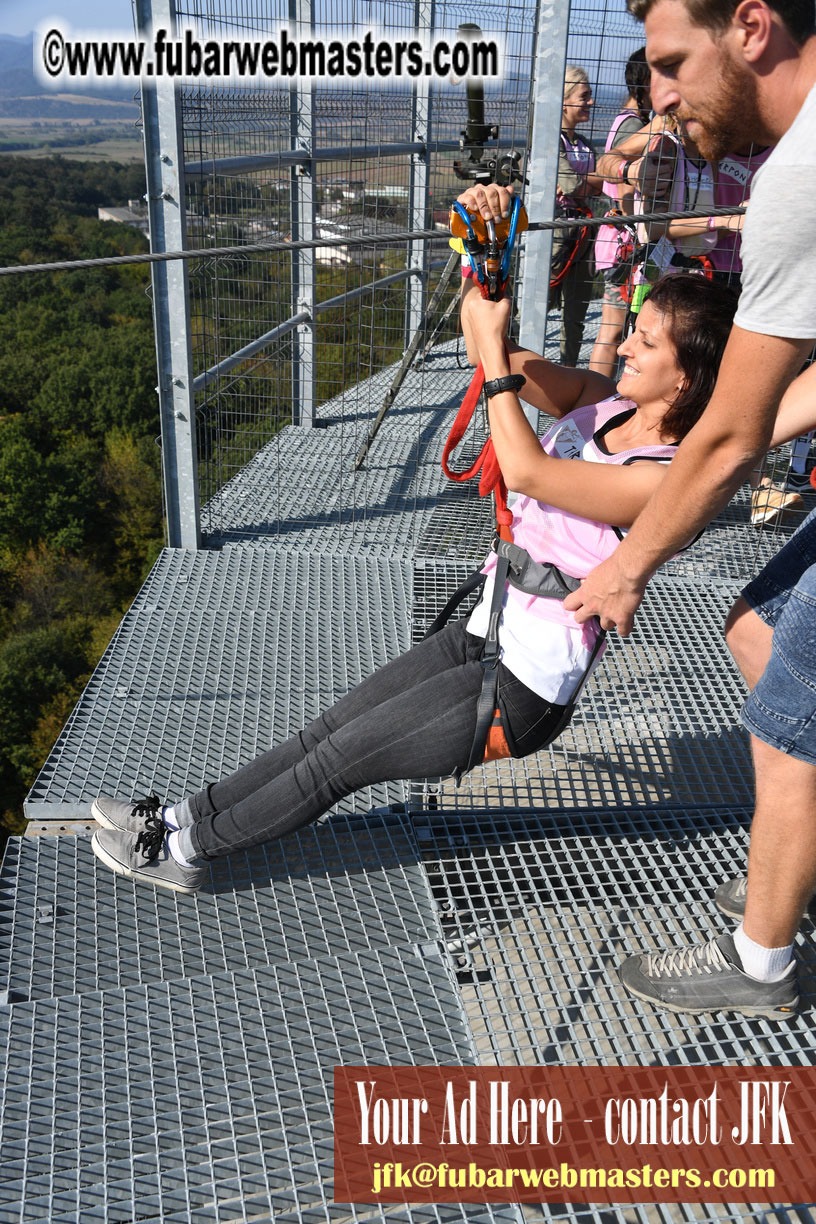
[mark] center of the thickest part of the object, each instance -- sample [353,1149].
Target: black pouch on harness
[537,721]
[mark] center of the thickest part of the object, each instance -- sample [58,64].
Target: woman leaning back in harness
[417,716]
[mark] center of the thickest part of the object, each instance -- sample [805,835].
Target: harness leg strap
[476,579]
[486,705]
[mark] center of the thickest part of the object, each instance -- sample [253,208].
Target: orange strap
[707,265]
[497,747]
[491,479]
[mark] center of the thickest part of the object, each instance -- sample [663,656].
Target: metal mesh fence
[287,339]
[601,41]
[321,165]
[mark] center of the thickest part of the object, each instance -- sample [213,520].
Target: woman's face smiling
[651,374]
[577,106]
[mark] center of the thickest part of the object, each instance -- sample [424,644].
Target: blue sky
[20,17]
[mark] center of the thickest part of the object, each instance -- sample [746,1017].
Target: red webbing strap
[560,277]
[491,479]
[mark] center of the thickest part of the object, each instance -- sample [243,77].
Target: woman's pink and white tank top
[540,641]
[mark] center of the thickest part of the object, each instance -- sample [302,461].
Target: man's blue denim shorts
[782,708]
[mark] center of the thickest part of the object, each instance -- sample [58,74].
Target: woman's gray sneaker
[126,817]
[729,897]
[707,978]
[145,857]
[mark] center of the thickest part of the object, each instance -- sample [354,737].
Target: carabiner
[489,246]
[512,232]
[471,242]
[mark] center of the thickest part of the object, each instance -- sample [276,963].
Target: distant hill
[22,96]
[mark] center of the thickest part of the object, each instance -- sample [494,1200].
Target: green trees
[80,495]
[80,491]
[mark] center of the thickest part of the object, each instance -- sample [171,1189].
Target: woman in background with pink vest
[732,189]
[577,183]
[631,119]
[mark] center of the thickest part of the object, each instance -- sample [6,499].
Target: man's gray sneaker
[145,857]
[126,817]
[707,978]
[730,898]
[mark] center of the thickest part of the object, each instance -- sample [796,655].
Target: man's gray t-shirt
[779,237]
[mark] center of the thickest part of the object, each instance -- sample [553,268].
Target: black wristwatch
[510,382]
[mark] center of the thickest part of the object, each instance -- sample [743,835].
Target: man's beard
[732,120]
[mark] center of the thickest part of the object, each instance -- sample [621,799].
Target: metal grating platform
[223,654]
[540,910]
[169,1059]
[733,550]
[302,488]
[330,888]
[209,1099]
[220,656]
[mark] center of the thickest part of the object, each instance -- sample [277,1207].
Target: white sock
[169,817]
[175,851]
[763,964]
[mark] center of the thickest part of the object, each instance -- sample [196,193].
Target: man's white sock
[764,964]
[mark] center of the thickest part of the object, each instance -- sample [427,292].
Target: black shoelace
[150,806]
[151,838]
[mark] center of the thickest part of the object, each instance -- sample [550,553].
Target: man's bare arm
[797,412]
[711,462]
[649,159]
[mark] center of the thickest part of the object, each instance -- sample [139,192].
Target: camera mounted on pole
[480,168]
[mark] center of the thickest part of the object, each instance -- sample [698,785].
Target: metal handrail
[282,329]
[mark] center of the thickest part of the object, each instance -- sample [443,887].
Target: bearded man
[737,71]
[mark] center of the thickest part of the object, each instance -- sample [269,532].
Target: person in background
[732,189]
[770,499]
[798,478]
[631,119]
[577,183]
[670,174]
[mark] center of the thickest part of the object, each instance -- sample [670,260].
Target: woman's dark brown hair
[698,315]
[637,75]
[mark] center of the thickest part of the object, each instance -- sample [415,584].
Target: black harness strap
[486,705]
[475,580]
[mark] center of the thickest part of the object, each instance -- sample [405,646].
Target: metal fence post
[301,126]
[552,29]
[164,164]
[421,104]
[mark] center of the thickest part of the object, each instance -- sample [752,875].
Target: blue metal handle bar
[465,215]
[507,255]
[478,270]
